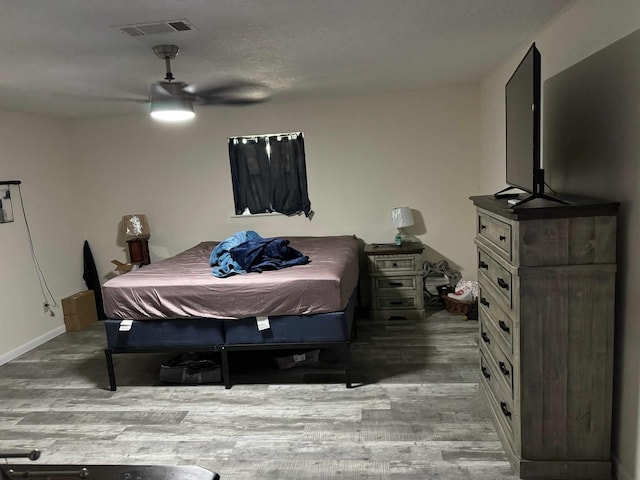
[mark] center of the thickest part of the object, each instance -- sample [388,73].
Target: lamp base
[139,251]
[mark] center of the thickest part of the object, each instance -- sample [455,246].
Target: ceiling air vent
[151,28]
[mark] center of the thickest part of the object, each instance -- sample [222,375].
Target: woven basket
[458,307]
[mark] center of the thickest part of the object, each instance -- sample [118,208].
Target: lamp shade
[135,226]
[169,103]
[402,217]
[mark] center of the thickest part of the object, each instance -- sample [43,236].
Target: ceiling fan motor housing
[166,51]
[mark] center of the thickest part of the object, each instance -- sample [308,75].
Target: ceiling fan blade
[237,92]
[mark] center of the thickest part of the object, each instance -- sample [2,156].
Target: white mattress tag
[125,325]
[300,358]
[263,323]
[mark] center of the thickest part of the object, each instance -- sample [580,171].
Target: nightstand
[396,280]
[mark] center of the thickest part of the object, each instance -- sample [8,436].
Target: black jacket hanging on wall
[92,280]
[263,184]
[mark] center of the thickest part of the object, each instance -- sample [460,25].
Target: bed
[177,304]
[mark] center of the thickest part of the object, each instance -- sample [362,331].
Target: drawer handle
[504,369]
[486,338]
[503,284]
[396,302]
[484,301]
[504,327]
[503,238]
[505,410]
[486,373]
[394,264]
[395,284]
[483,265]
[483,227]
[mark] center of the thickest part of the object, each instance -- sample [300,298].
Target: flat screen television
[523,107]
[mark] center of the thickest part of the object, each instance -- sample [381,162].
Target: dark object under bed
[303,307]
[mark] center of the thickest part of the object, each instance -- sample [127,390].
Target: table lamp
[401,218]
[136,231]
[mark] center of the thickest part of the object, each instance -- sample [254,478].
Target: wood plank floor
[415,413]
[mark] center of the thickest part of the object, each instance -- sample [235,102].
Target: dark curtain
[289,175]
[250,175]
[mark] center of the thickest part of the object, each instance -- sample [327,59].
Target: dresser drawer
[496,232]
[500,362]
[495,274]
[492,314]
[386,286]
[501,404]
[393,263]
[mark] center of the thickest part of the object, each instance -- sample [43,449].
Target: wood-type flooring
[415,412]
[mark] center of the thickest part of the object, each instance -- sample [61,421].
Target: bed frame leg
[225,368]
[110,370]
[347,365]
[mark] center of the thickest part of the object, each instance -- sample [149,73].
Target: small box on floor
[298,359]
[79,310]
[191,368]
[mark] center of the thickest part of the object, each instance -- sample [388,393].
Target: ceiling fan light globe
[172,115]
[171,109]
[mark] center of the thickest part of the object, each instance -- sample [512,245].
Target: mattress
[182,286]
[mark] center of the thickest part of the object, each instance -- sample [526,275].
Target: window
[269,174]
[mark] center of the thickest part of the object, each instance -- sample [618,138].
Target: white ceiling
[64,58]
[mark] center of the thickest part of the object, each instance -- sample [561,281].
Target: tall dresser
[546,276]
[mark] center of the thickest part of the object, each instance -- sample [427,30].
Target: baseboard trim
[31,344]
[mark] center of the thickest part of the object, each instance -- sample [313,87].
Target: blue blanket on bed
[247,251]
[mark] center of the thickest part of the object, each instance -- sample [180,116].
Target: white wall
[582,30]
[35,151]
[365,155]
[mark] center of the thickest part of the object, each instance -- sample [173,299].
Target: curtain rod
[10,182]
[268,135]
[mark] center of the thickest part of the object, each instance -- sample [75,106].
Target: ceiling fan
[172,100]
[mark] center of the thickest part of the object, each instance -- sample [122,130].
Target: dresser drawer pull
[505,410]
[395,284]
[503,369]
[485,337]
[483,227]
[483,265]
[394,264]
[484,301]
[503,284]
[486,373]
[504,327]
[396,302]
[503,238]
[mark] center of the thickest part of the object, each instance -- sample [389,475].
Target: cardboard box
[79,310]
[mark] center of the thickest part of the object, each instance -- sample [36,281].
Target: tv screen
[522,95]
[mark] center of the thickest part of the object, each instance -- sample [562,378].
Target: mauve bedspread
[182,286]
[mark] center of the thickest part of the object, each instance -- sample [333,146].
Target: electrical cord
[44,287]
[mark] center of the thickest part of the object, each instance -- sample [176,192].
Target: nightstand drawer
[497,232]
[393,263]
[396,303]
[391,284]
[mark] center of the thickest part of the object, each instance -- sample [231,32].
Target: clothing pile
[246,251]
[464,291]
